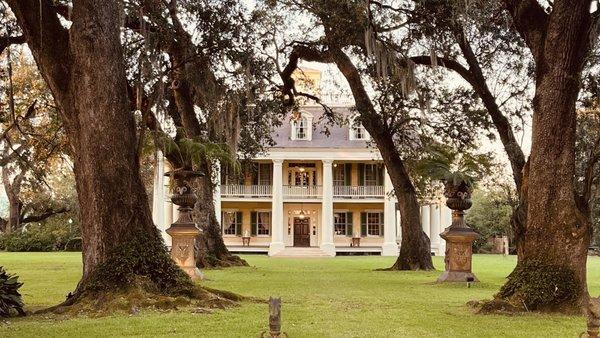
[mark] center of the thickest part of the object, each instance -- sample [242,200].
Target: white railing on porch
[311,191]
[246,190]
[343,191]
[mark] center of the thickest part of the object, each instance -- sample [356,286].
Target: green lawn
[340,297]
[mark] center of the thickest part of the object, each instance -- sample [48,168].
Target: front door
[302,232]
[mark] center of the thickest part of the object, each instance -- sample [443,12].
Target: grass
[340,297]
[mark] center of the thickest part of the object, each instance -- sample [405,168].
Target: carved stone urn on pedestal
[459,236]
[184,230]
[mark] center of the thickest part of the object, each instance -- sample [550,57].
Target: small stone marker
[274,319]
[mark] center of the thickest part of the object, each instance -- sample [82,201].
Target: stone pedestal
[459,237]
[182,250]
[184,231]
[459,243]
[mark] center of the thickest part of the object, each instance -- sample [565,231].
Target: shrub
[10,299]
[48,236]
[489,216]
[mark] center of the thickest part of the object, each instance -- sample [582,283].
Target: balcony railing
[294,191]
[375,191]
[302,192]
[243,191]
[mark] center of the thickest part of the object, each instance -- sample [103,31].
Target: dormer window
[301,124]
[358,131]
[301,127]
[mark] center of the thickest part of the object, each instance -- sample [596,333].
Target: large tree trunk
[415,248]
[551,274]
[210,247]
[84,68]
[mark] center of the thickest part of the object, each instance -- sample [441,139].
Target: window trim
[235,224]
[347,223]
[306,117]
[380,223]
[269,225]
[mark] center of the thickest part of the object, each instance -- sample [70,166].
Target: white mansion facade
[310,190]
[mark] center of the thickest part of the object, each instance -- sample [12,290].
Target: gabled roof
[338,138]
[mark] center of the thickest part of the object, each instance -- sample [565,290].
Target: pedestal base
[390,249]
[457,276]
[328,248]
[182,250]
[275,248]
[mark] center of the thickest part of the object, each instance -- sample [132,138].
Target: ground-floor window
[261,223]
[371,224]
[232,222]
[342,223]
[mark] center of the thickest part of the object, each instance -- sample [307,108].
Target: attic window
[358,131]
[302,127]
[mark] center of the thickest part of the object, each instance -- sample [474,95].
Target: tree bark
[84,68]
[415,249]
[551,274]
[210,247]
[15,206]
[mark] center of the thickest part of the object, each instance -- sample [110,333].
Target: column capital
[278,162]
[327,162]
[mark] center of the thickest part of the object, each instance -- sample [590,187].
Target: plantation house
[327,194]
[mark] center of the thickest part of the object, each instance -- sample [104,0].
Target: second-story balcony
[246,191]
[302,192]
[358,192]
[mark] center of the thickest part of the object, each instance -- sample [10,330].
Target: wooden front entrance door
[302,232]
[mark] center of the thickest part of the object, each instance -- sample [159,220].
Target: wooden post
[274,319]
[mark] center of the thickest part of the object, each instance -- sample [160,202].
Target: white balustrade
[246,190]
[295,191]
[364,191]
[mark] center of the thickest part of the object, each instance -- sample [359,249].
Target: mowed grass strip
[339,297]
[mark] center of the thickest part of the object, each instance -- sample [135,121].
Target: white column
[327,209]
[217,191]
[425,219]
[277,244]
[158,196]
[389,247]
[446,221]
[435,212]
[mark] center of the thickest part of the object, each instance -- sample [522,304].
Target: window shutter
[380,174]
[381,224]
[363,224]
[349,224]
[253,223]
[361,174]
[238,223]
[348,174]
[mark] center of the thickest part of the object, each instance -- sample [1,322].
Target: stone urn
[184,230]
[459,236]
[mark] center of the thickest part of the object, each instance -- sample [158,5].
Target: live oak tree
[83,66]
[468,40]
[551,274]
[399,124]
[194,64]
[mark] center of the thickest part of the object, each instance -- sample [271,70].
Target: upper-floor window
[373,174]
[302,127]
[358,131]
[265,174]
[339,175]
